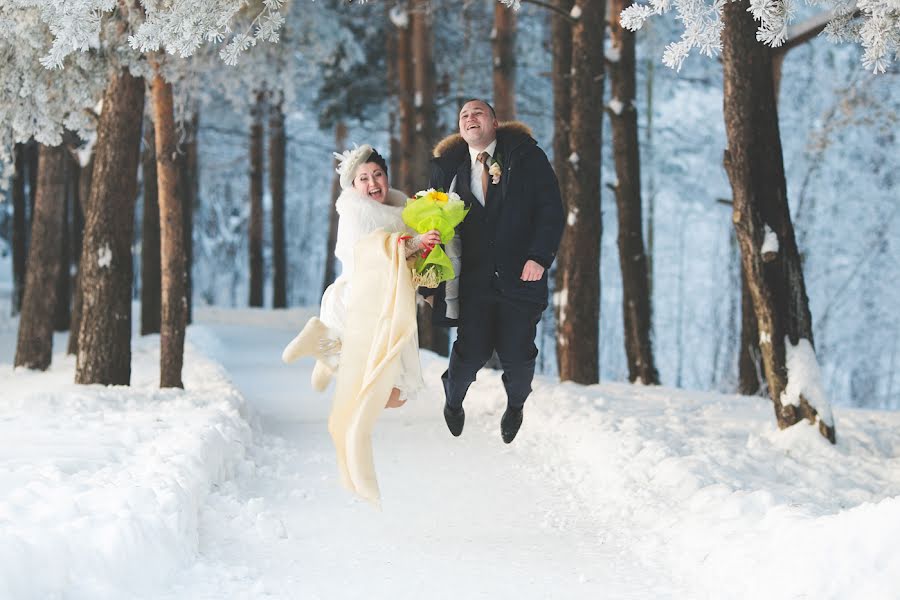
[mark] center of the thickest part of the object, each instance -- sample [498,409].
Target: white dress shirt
[475,182]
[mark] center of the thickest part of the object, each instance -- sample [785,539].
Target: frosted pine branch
[873,24]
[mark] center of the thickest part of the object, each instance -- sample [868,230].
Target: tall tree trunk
[171,238]
[436,339]
[755,167]
[34,348]
[393,92]
[651,182]
[62,315]
[32,160]
[748,357]
[579,268]
[636,301]
[20,228]
[340,139]
[187,166]
[151,277]
[504,50]
[277,145]
[104,338]
[256,201]
[84,191]
[402,177]
[561,45]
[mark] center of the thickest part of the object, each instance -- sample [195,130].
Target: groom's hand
[532,271]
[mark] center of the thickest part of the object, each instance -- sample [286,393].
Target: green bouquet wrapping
[434,209]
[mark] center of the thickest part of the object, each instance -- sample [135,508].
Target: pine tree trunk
[171,238]
[753,161]
[504,50]
[392,86]
[436,339]
[425,114]
[340,140]
[256,201]
[187,166]
[402,177]
[579,269]
[62,315]
[104,338]
[151,277]
[748,357]
[277,145]
[561,45]
[34,348]
[32,161]
[20,228]
[84,191]
[636,302]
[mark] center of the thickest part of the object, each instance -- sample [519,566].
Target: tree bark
[187,166]
[748,357]
[104,338]
[755,167]
[579,253]
[340,139]
[636,301]
[34,348]
[393,91]
[62,315]
[84,191]
[436,339]
[402,177]
[256,201]
[20,228]
[504,50]
[277,145]
[561,45]
[151,276]
[171,237]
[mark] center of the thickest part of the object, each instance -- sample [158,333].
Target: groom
[509,240]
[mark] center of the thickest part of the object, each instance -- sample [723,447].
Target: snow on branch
[873,24]
[179,27]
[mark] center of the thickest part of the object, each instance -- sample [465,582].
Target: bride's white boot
[308,342]
[321,375]
[315,340]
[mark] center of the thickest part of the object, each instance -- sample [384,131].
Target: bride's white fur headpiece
[348,162]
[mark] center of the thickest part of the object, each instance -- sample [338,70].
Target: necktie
[483,158]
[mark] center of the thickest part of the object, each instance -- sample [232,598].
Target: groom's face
[477,125]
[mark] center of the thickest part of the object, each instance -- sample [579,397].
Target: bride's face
[371,181]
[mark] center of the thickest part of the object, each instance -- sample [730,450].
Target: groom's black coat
[522,219]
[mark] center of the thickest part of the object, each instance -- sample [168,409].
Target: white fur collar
[362,209]
[351,200]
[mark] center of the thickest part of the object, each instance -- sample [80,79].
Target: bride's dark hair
[378,160]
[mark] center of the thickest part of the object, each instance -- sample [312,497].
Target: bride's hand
[430,239]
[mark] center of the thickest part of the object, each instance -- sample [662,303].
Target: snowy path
[462,518]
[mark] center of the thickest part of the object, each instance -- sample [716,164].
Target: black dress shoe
[456,418]
[510,423]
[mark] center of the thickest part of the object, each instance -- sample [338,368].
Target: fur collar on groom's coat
[455,144]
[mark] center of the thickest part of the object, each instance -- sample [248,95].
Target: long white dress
[358,216]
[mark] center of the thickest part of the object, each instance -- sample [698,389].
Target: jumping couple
[366,329]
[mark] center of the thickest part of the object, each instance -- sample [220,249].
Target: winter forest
[722,340]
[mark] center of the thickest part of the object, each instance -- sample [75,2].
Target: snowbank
[736,507]
[102,485]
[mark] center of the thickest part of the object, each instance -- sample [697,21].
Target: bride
[367,204]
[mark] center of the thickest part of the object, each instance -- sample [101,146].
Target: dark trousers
[487,324]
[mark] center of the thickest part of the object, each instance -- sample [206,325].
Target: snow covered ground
[229,489]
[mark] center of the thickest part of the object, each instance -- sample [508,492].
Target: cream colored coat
[380,327]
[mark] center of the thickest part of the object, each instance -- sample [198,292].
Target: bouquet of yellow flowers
[434,209]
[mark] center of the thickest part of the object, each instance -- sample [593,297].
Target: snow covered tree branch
[874,24]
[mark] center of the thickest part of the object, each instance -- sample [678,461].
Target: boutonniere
[495,170]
